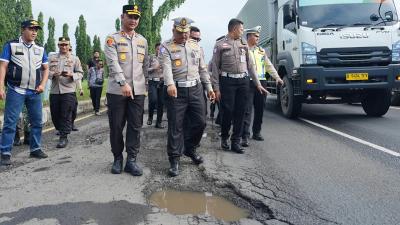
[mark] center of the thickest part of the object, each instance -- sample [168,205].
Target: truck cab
[335,51]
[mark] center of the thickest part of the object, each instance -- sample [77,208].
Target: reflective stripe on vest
[259,61]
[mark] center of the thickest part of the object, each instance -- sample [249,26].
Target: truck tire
[377,102]
[396,98]
[290,104]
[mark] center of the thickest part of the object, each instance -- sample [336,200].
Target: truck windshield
[322,13]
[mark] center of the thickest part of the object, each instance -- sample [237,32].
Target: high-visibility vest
[258,56]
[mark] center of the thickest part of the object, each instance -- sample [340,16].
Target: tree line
[13,12]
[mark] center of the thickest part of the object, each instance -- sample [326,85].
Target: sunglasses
[196,39]
[63,45]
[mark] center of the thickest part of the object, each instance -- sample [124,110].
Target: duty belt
[187,83]
[155,79]
[234,75]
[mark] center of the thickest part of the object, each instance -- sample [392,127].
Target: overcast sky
[211,16]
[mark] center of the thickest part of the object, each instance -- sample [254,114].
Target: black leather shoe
[150,121]
[63,142]
[132,167]
[258,137]
[196,158]
[173,171]
[39,154]
[224,144]
[117,165]
[245,142]
[235,147]
[58,133]
[160,126]
[74,128]
[5,160]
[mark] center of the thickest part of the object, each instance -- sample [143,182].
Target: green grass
[86,94]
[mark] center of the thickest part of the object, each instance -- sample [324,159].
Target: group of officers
[176,74]
[179,77]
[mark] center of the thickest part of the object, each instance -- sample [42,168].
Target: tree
[89,48]
[96,43]
[40,35]
[8,23]
[23,9]
[150,23]
[65,30]
[51,43]
[117,24]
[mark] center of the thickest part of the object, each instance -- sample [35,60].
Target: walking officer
[184,72]
[127,58]
[231,67]
[65,72]
[156,88]
[263,67]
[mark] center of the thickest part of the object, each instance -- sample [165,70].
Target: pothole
[197,203]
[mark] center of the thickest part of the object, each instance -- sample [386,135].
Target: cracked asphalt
[299,175]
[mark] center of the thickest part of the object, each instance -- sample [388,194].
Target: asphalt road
[346,181]
[334,165]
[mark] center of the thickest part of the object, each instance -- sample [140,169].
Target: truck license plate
[356,76]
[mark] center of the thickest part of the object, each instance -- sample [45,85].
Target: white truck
[330,51]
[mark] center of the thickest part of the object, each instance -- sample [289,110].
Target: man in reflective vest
[256,99]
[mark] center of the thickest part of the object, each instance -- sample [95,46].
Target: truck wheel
[290,104]
[377,102]
[395,98]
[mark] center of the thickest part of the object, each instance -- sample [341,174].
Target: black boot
[174,166]
[63,142]
[224,144]
[5,160]
[245,142]
[117,165]
[235,147]
[196,158]
[258,137]
[150,120]
[27,138]
[17,139]
[132,167]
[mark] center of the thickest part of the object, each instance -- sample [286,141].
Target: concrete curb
[83,107]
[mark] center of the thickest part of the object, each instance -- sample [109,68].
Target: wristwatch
[121,83]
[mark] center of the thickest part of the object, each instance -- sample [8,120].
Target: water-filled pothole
[196,203]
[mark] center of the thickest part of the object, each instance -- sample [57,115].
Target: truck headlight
[309,53]
[396,52]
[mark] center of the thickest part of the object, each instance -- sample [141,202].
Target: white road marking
[377,147]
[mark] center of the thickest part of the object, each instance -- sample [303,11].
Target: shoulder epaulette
[220,38]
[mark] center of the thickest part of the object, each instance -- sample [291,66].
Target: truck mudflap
[320,78]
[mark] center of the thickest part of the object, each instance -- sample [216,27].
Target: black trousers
[74,112]
[189,106]
[125,110]
[95,95]
[256,101]
[234,92]
[62,107]
[152,97]
[160,101]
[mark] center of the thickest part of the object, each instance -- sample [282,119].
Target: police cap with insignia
[182,24]
[31,24]
[131,10]
[63,40]
[254,30]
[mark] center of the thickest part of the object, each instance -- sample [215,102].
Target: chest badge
[178,63]
[122,57]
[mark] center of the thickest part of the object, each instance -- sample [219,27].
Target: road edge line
[361,141]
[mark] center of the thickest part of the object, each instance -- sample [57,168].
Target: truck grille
[352,57]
